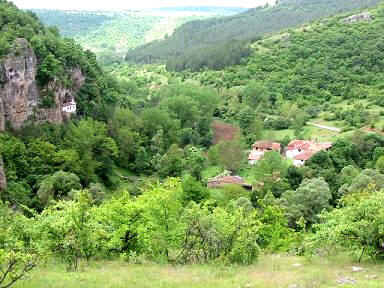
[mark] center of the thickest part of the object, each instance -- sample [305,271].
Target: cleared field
[224,132]
[270,271]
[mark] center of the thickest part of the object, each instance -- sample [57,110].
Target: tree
[380,164]
[215,233]
[367,180]
[231,155]
[69,230]
[311,198]
[183,108]
[269,174]
[274,234]
[17,255]
[160,230]
[195,161]
[58,186]
[172,163]
[246,117]
[254,93]
[193,190]
[96,150]
[356,226]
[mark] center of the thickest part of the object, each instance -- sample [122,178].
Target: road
[330,128]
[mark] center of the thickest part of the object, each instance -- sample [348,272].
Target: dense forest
[125,178]
[200,44]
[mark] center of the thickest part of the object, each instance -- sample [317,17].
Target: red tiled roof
[304,156]
[229,180]
[267,145]
[296,143]
[308,145]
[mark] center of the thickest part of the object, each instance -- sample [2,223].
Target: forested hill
[110,33]
[219,42]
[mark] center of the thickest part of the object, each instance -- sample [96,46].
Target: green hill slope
[198,44]
[330,71]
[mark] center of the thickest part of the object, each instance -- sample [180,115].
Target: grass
[211,172]
[277,135]
[270,271]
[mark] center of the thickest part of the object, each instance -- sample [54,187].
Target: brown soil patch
[224,132]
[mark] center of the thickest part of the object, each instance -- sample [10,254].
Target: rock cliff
[365,16]
[20,96]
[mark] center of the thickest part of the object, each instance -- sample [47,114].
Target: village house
[259,148]
[303,150]
[225,179]
[70,107]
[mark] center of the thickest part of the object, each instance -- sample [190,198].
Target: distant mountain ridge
[202,9]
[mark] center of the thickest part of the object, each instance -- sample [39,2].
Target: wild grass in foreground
[270,271]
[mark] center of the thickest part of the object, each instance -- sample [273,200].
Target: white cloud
[122,5]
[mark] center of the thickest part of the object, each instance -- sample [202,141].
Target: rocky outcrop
[365,16]
[20,96]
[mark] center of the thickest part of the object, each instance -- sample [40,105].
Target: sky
[129,4]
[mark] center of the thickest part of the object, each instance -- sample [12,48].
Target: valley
[193,146]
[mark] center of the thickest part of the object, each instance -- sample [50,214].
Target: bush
[356,226]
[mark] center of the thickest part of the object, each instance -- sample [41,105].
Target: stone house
[259,148]
[302,150]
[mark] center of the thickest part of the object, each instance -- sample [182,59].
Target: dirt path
[330,128]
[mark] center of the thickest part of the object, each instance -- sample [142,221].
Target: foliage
[193,190]
[17,256]
[219,42]
[311,198]
[367,180]
[58,186]
[269,174]
[70,231]
[356,226]
[230,155]
[112,33]
[218,233]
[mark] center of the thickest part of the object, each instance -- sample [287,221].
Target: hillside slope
[201,41]
[331,71]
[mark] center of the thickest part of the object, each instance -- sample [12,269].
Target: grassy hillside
[207,43]
[269,272]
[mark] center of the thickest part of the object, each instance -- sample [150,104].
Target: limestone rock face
[20,97]
[18,92]
[365,16]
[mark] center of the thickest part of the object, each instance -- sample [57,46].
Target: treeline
[248,27]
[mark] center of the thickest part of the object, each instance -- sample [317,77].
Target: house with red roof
[259,148]
[303,150]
